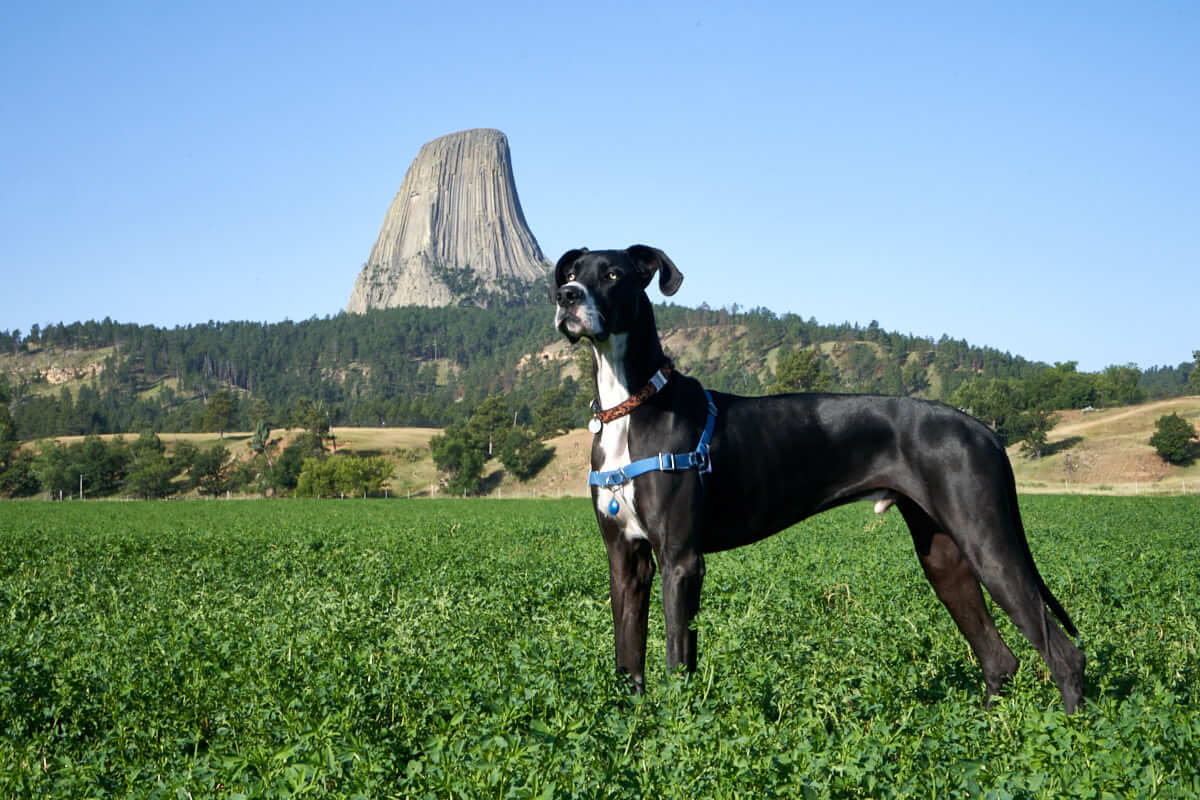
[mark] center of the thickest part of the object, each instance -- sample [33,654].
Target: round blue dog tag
[613,507]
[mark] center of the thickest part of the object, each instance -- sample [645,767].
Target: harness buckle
[666,462]
[700,459]
[615,478]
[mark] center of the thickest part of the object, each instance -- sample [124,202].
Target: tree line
[143,468]
[434,366]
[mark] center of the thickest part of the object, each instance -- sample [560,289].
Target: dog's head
[602,292]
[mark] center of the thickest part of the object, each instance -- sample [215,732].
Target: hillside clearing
[1108,451]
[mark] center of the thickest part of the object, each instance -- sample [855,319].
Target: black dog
[678,473]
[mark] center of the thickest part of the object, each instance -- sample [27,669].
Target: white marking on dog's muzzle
[583,313]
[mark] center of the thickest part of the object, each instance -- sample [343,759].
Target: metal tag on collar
[594,424]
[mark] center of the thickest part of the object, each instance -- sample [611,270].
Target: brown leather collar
[645,393]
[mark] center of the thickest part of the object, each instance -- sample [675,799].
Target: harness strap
[666,462]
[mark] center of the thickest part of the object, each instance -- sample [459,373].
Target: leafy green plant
[463,649]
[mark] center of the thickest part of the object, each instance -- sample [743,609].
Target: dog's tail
[1043,589]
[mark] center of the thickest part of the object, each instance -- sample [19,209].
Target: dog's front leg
[630,577]
[682,577]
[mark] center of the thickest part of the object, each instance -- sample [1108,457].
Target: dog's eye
[570,277]
[613,275]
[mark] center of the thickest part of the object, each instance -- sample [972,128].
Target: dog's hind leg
[957,587]
[1012,583]
[993,541]
[1024,604]
[631,576]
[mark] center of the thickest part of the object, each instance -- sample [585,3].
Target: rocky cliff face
[454,233]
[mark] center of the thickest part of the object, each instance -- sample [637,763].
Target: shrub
[316,478]
[342,476]
[1172,438]
[286,470]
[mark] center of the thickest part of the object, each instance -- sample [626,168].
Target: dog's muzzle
[576,315]
[568,295]
[566,319]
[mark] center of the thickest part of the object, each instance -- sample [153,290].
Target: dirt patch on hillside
[1126,420]
[564,476]
[1109,451]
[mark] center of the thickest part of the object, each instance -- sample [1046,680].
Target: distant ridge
[455,232]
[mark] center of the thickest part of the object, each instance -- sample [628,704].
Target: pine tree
[218,414]
[801,371]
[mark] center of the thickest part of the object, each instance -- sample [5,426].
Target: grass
[463,649]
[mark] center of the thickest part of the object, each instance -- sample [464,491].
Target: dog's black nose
[568,295]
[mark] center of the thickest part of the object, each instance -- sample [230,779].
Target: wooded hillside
[431,366]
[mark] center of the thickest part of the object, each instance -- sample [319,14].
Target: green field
[463,649]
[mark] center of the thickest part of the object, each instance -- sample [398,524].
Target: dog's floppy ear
[568,258]
[650,259]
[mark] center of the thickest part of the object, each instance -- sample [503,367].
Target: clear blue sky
[1023,176]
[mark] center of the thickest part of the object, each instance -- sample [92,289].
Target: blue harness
[667,462]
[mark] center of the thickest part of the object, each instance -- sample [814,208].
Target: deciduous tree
[1118,385]
[1031,429]
[345,476]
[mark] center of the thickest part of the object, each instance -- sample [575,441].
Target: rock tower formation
[455,232]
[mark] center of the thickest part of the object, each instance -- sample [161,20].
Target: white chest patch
[614,437]
[615,446]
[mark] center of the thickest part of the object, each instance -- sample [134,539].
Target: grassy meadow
[462,649]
